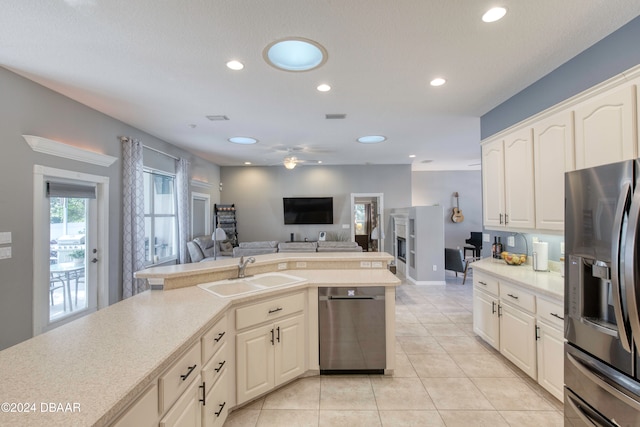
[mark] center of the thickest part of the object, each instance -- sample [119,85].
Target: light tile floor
[445,376]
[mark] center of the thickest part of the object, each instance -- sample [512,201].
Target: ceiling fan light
[289,162]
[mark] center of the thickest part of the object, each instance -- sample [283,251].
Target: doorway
[70,246]
[367,225]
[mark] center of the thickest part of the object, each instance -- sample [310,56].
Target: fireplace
[402,249]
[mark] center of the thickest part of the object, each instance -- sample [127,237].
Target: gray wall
[28,108]
[612,55]
[258,191]
[437,188]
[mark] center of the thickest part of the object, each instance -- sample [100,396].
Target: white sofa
[255,248]
[202,249]
[332,246]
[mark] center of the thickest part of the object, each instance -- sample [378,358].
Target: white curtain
[133,251]
[184,217]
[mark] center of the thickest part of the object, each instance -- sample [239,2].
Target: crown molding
[59,149]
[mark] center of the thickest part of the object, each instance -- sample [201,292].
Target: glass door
[71,244]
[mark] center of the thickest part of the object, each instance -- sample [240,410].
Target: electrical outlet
[282,266]
[301,264]
[435,267]
[5,237]
[365,264]
[376,264]
[511,241]
[5,252]
[345,226]
[486,237]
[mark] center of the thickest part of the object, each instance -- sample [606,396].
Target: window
[160,217]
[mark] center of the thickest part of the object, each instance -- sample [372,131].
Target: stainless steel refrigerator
[602,296]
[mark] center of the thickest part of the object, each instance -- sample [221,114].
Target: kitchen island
[90,371]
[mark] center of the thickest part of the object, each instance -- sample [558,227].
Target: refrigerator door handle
[616,285]
[602,383]
[630,263]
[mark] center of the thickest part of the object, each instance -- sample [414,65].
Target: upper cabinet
[553,152]
[507,181]
[605,128]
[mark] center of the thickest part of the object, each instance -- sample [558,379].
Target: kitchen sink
[234,287]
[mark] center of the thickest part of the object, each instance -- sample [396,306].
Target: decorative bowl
[513,259]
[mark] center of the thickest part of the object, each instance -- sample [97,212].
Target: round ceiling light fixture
[244,140]
[295,54]
[323,87]
[439,81]
[235,65]
[494,14]
[371,139]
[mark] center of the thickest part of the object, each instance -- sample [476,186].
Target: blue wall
[612,55]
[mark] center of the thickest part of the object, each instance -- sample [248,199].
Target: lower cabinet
[268,356]
[517,338]
[526,329]
[186,412]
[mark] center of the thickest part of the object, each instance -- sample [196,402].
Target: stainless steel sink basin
[233,287]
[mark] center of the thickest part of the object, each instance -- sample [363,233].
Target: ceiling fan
[291,162]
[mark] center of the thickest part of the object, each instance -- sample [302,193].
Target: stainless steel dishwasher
[352,329]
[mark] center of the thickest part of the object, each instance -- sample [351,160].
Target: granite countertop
[101,362]
[549,283]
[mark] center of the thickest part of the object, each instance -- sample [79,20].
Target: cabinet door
[485,318]
[518,180]
[216,407]
[493,184]
[289,349]
[254,353]
[186,412]
[605,128]
[551,359]
[553,156]
[518,338]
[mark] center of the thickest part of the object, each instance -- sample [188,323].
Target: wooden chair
[454,261]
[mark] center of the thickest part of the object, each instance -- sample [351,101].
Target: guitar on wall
[457,216]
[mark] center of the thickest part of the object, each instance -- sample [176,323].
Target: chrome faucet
[243,264]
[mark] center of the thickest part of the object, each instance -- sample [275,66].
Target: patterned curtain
[133,251]
[182,193]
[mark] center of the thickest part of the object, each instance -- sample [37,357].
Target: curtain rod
[160,152]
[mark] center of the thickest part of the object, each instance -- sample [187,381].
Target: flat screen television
[308,210]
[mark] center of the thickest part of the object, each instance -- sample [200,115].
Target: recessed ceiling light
[412,156]
[324,88]
[438,81]
[494,14]
[295,54]
[372,139]
[319,162]
[235,65]
[247,163]
[245,140]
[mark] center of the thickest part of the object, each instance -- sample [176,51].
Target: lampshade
[219,234]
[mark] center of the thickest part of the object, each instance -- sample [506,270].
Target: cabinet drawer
[177,378]
[213,339]
[486,283]
[269,310]
[144,412]
[551,312]
[517,297]
[215,368]
[216,407]
[186,411]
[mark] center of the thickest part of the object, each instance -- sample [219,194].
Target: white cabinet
[551,347]
[551,359]
[508,181]
[186,412]
[517,338]
[142,413]
[605,128]
[486,322]
[553,150]
[273,352]
[493,183]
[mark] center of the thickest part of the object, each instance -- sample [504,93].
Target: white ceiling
[159,65]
